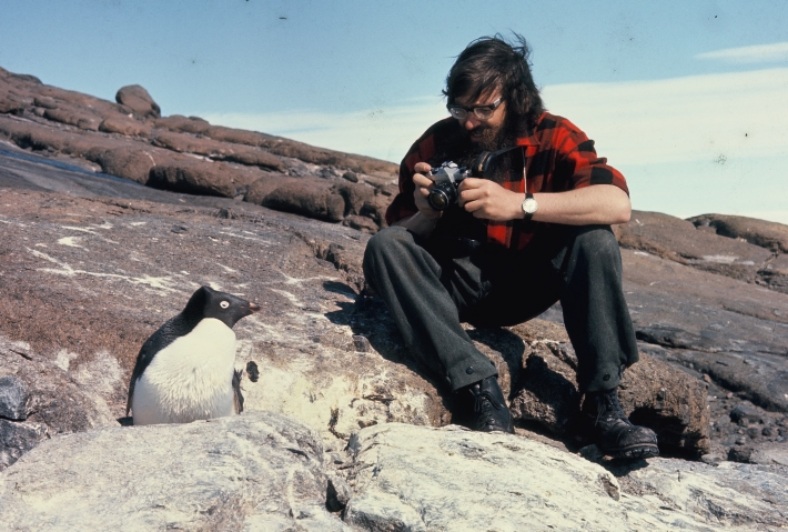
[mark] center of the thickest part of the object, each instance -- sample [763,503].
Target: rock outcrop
[263,471]
[131,139]
[107,230]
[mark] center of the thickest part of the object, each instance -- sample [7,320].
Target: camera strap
[482,166]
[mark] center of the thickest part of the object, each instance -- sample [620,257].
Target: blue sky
[687,98]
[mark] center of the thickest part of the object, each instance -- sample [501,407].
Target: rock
[82,120]
[417,478]
[192,177]
[137,99]
[190,124]
[129,162]
[257,471]
[126,126]
[13,398]
[770,454]
[257,191]
[18,438]
[321,203]
[350,176]
[48,139]
[218,151]
[769,235]
[678,240]
[45,102]
[38,399]
[57,121]
[411,396]
[356,196]
[746,414]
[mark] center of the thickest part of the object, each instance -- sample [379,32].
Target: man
[535,229]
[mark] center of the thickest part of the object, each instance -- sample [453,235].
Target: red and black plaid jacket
[558,157]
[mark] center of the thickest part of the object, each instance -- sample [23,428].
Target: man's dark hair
[490,62]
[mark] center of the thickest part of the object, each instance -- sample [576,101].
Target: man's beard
[485,138]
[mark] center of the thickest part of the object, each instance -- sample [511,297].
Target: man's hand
[423,222]
[423,184]
[490,201]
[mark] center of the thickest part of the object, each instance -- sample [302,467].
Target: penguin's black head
[227,308]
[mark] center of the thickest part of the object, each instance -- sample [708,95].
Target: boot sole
[641,450]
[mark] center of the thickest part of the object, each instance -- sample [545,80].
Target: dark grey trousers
[429,292]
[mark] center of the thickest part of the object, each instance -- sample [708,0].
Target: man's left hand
[488,200]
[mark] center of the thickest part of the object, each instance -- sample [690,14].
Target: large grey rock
[262,471]
[254,472]
[417,478]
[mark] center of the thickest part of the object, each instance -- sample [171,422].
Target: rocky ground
[92,263]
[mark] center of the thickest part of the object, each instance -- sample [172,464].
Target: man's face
[484,133]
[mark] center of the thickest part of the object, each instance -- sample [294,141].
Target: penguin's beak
[253,307]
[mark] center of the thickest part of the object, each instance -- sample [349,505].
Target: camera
[448,176]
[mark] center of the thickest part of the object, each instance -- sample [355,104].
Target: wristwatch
[529,206]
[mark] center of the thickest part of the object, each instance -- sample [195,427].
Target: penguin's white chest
[189,379]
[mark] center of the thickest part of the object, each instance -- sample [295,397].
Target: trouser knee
[382,248]
[593,251]
[596,241]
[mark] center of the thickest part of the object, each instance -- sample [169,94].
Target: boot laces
[609,407]
[483,400]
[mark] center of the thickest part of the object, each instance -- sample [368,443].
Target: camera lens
[442,195]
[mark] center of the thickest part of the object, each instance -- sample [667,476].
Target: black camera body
[448,176]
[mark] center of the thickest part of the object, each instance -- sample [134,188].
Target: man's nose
[471,122]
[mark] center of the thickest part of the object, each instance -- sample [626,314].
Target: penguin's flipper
[238,398]
[143,360]
[128,400]
[158,340]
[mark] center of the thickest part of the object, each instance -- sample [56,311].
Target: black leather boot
[490,412]
[613,433]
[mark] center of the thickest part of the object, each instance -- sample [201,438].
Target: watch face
[529,206]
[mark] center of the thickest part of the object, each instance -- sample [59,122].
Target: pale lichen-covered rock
[256,472]
[417,478]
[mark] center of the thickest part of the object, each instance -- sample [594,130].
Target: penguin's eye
[225,305]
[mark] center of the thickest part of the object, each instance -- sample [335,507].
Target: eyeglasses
[482,112]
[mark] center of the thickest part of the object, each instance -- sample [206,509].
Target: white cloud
[763,53]
[691,145]
[709,117]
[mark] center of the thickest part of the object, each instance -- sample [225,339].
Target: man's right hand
[423,184]
[423,222]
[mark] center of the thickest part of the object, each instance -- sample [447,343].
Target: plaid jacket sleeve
[560,157]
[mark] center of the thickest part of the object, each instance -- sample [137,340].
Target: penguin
[185,370]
